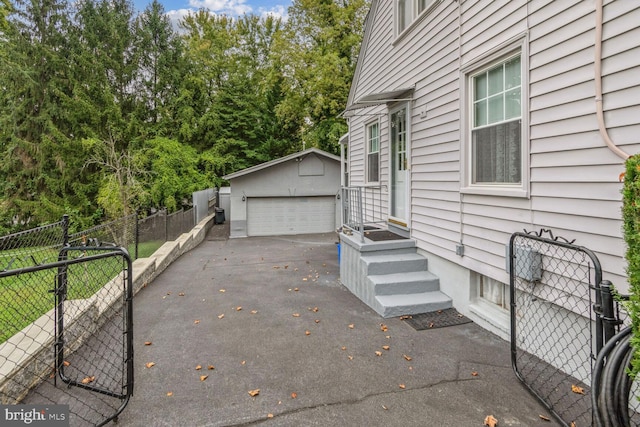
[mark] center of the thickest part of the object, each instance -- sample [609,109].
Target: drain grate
[436,319]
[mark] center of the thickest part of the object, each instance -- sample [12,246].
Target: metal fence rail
[67,332]
[363,208]
[555,332]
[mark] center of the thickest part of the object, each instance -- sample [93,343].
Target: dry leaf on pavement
[490,421]
[147,343]
[294,395]
[378,353]
[203,377]
[198,367]
[87,380]
[576,389]
[254,393]
[407,358]
[150,364]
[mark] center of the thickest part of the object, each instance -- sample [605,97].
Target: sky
[178,8]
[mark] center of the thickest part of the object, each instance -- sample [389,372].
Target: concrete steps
[401,283]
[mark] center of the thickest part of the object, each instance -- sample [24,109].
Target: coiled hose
[611,383]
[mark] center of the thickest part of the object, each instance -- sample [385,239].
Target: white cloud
[276,11]
[222,7]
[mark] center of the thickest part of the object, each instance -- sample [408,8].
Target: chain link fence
[65,322]
[555,332]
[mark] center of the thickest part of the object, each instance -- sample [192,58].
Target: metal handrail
[362,207]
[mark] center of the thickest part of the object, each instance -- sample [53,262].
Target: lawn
[26,296]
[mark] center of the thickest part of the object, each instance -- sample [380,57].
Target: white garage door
[272,216]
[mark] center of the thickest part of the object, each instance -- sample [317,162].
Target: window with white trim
[496,124]
[493,291]
[408,11]
[373,152]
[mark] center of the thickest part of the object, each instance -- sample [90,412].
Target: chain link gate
[557,321]
[66,326]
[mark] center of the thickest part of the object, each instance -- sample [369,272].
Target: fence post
[65,229]
[360,215]
[137,232]
[607,312]
[166,225]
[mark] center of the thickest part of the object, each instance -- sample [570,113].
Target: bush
[631,220]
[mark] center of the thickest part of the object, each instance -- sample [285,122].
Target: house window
[373,152]
[408,11]
[494,292]
[496,124]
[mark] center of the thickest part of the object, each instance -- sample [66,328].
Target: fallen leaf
[542,417]
[147,343]
[181,294]
[254,393]
[203,377]
[211,367]
[317,320]
[576,389]
[384,407]
[405,317]
[294,395]
[254,311]
[198,367]
[344,348]
[402,386]
[244,362]
[490,421]
[223,290]
[170,393]
[195,322]
[276,266]
[351,326]
[431,324]
[383,327]
[269,415]
[378,353]
[350,357]
[296,314]
[221,316]
[307,332]
[385,347]
[150,364]
[407,358]
[87,380]
[296,289]
[66,363]
[573,424]
[304,279]
[315,309]
[238,308]
[474,374]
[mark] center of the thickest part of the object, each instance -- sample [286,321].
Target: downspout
[598,81]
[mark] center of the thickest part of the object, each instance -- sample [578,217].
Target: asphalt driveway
[260,330]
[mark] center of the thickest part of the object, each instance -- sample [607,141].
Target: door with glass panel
[399,177]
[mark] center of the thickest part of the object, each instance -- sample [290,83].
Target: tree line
[104,110]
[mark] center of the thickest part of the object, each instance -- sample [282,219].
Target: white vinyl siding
[569,177]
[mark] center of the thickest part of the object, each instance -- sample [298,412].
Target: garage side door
[271,216]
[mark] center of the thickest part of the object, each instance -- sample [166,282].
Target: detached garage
[296,194]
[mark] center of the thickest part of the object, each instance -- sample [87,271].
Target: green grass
[27,296]
[145,249]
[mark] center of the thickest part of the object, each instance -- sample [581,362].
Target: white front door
[399,193]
